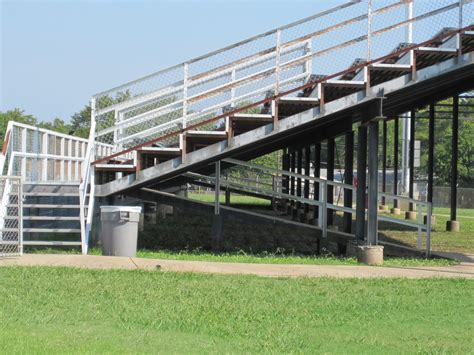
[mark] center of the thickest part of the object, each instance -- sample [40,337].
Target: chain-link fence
[10,216]
[199,93]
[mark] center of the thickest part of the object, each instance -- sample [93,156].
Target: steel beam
[317,173]
[348,173]
[384,159]
[431,133]
[411,158]
[330,177]
[299,168]
[361,181]
[307,153]
[372,208]
[454,158]
[395,161]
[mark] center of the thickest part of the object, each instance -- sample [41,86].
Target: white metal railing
[41,155]
[276,61]
[38,155]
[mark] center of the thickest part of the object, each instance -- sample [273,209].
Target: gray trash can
[119,230]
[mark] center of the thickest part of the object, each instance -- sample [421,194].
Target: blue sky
[54,55]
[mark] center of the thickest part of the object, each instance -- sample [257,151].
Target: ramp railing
[248,178]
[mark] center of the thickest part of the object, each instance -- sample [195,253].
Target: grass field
[51,310]
[234,199]
[441,240]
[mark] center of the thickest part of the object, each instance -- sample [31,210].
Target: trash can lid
[120,209]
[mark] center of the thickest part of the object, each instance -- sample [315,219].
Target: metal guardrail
[274,191]
[199,92]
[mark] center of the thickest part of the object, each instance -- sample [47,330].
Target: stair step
[50,218]
[206,134]
[52,194]
[35,205]
[50,243]
[116,167]
[345,84]
[51,230]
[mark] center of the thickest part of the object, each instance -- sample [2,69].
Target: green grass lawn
[234,199]
[58,310]
[441,240]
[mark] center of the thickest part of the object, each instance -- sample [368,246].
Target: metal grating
[11,225]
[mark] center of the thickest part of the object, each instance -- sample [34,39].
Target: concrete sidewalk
[465,270]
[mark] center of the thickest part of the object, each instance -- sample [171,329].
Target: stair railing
[158,108]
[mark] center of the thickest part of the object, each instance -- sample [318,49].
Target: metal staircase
[311,76]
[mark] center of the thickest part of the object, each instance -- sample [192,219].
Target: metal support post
[372,227]
[384,160]
[411,158]
[395,161]
[299,166]
[330,177]
[216,231]
[431,134]
[307,153]
[361,181]
[317,174]
[454,159]
[348,173]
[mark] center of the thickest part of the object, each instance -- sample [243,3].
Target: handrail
[87,178]
[309,84]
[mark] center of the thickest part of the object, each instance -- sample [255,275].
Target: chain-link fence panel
[10,216]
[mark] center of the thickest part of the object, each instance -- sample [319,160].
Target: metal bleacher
[263,91]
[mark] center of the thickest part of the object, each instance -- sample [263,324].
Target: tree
[58,125]
[16,115]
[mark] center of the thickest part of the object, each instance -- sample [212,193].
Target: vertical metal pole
[185,93]
[299,165]
[348,173]
[317,174]
[277,61]
[369,43]
[460,25]
[384,159]
[330,177]
[307,152]
[20,215]
[217,188]
[372,227]
[428,230]
[292,169]
[361,181]
[405,152]
[420,223]
[395,161]
[454,159]
[286,167]
[431,133]
[411,158]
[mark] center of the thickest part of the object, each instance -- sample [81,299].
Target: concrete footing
[411,215]
[395,211]
[366,254]
[452,226]
[383,208]
[433,220]
[370,254]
